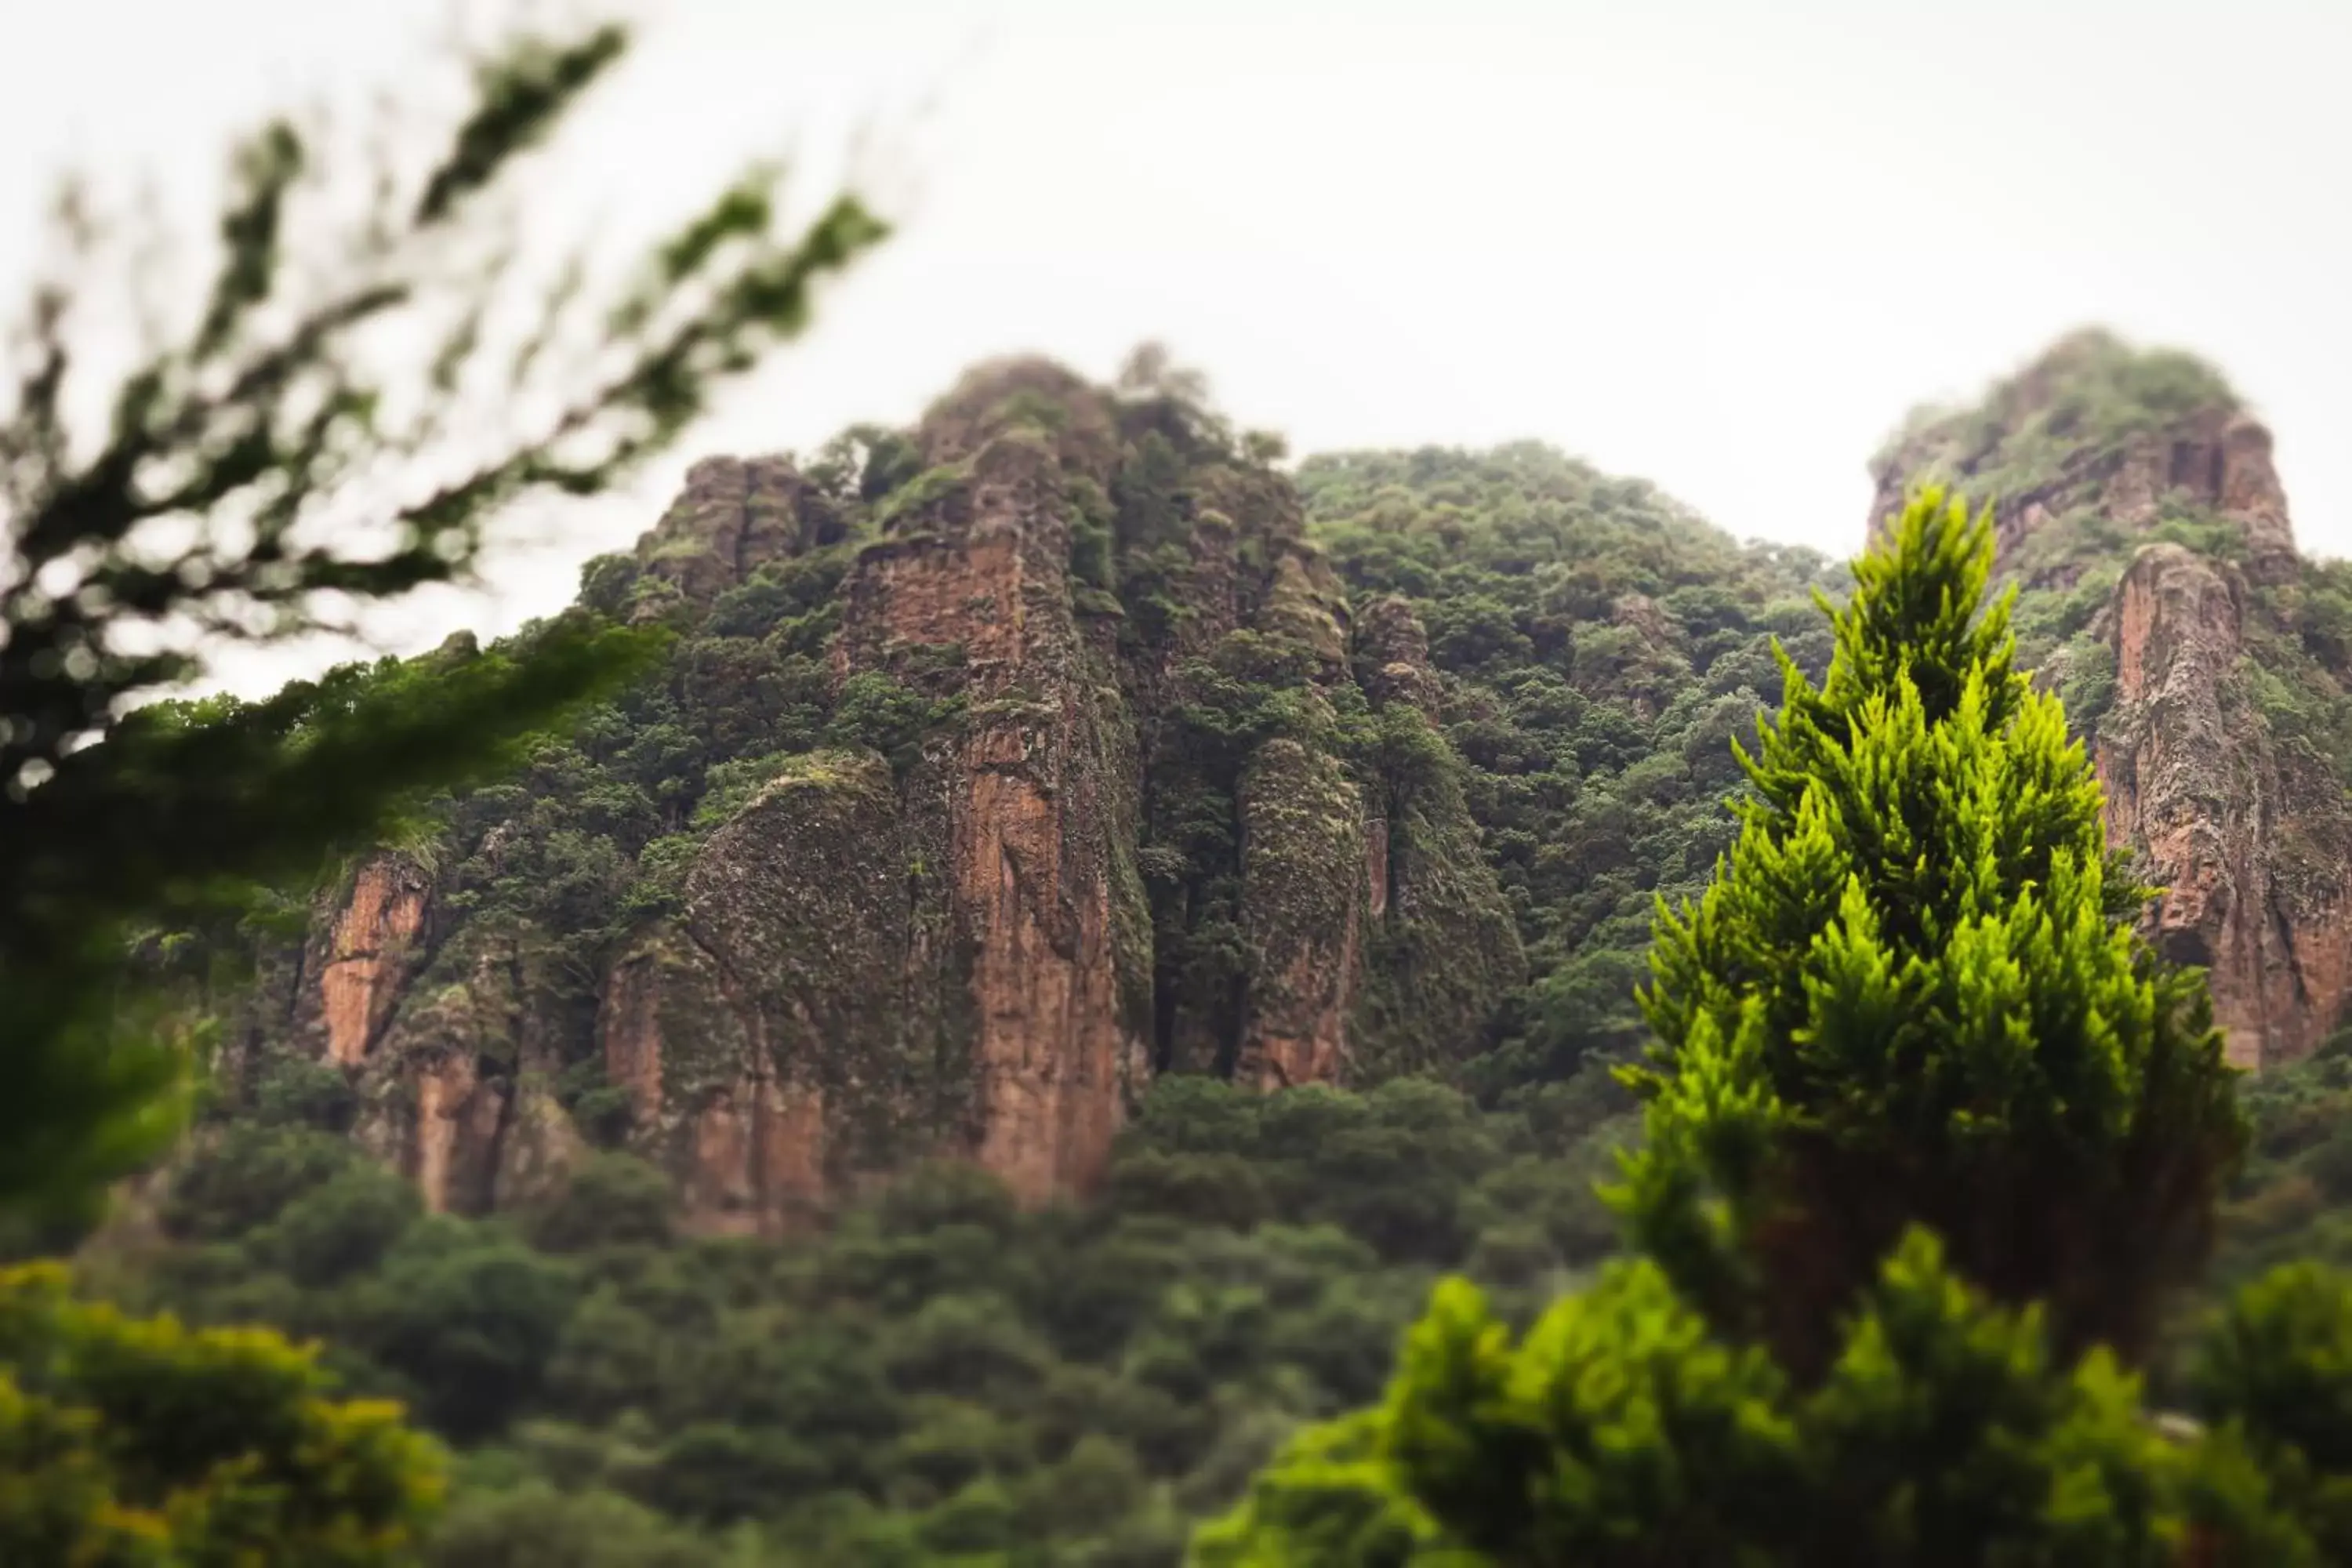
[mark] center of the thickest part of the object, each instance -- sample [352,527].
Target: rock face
[436,1022]
[1026,804]
[1007,762]
[1067,808]
[734,516]
[367,954]
[2249,838]
[2243,825]
[1305,887]
[744,1029]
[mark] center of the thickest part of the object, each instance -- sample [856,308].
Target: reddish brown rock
[444,1039]
[2253,851]
[734,515]
[1034,802]
[949,949]
[874,970]
[2133,469]
[1053,1056]
[459,1120]
[371,951]
[771,999]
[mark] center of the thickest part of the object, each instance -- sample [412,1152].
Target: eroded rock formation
[1015,880]
[2250,838]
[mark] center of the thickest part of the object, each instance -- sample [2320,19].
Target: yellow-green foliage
[136,1441]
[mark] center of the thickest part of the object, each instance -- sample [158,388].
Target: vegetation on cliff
[218,503]
[2081,405]
[2138,510]
[1246,1263]
[1252,1260]
[1595,647]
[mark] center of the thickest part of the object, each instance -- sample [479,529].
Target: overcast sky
[1719,244]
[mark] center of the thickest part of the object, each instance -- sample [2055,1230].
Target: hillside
[1002,766]
[832,1090]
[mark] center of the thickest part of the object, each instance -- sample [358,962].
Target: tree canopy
[139,1442]
[1911,996]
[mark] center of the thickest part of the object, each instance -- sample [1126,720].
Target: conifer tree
[1912,996]
[368,381]
[1930,1134]
[359,392]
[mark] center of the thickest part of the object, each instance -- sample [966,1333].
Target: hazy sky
[1721,244]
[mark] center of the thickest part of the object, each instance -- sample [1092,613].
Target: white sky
[1721,244]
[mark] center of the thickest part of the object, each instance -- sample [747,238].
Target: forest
[1584,1040]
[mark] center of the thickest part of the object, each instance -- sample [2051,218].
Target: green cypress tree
[1912,996]
[1929,1134]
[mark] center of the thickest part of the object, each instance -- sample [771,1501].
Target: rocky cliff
[1004,765]
[2138,509]
[999,764]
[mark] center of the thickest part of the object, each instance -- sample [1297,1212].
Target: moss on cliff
[804,900]
[2081,401]
[1445,955]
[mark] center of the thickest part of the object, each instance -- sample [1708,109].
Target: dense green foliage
[266,471]
[940,1377]
[1912,998]
[1908,1006]
[2294,1198]
[1248,1264]
[1618,1431]
[1598,648]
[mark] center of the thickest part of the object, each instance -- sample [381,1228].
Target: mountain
[1004,765]
[1087,919]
